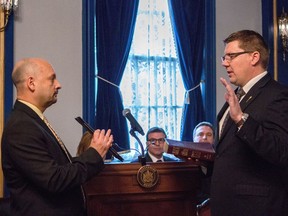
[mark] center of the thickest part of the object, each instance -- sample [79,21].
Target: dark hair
[155,130]
[204,123]
[251,41]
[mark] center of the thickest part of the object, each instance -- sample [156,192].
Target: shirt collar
[253,81]
[34,108]
[154,159]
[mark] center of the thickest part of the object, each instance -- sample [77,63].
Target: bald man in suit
[42,177]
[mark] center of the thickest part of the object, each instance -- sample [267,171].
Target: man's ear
[255,58]
[31,83]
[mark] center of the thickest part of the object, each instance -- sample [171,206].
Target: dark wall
[282,65]
[268,33]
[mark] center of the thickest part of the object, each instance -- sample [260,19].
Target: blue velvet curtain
[8,67]
[115,23]
[188,22]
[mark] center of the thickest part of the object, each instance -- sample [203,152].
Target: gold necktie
[65,151]
[58,139]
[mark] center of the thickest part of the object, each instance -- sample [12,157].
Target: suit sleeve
[38,159]
[267,135]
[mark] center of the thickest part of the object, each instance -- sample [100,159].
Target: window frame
[89,62]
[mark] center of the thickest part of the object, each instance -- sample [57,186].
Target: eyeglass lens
[230,56]
[153,141]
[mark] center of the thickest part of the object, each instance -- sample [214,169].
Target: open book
[186,149]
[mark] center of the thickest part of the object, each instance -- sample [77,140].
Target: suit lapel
[24,108]
[254,92]
[148,158]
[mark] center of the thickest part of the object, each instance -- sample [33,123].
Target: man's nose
[58,85]
[225,63]
[157,143]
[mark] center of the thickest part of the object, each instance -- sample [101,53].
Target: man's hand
[231,98]
[102,141]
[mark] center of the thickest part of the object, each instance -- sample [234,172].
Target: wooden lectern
[116,191]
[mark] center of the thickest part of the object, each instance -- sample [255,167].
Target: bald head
[35,81]
[23,69]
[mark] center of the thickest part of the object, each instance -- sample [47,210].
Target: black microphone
[91,130]
[134,124]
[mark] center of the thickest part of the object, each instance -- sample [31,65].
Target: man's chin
[159,154]
[232,81]
[51,102]
[54,101]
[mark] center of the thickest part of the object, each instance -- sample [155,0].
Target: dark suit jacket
[165,158]
[249,176]
[148,158]
[40,178]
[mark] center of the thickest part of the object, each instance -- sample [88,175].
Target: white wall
[53,30]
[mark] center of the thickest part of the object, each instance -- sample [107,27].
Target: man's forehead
[156,134]
[204,127]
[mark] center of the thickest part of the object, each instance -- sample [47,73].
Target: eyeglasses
[230,56]
[154,141]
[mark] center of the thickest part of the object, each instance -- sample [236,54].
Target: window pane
[152,87]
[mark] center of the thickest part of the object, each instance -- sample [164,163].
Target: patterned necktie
[240,92]
[65,151]
[58,139]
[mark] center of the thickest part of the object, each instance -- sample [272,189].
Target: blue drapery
[188,22]
[115,23]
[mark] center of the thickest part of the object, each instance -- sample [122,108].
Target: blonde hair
[84,143]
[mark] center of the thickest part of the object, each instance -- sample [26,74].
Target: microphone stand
[141,158]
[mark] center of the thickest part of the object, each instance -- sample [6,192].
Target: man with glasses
[250,172]
[155,139]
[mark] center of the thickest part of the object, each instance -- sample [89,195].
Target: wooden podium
[116,191]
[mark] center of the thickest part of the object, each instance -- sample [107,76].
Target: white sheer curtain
[152,86]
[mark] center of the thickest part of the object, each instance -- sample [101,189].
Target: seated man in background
[155,139]
[204,132]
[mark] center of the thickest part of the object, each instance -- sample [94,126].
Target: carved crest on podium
[147,176]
